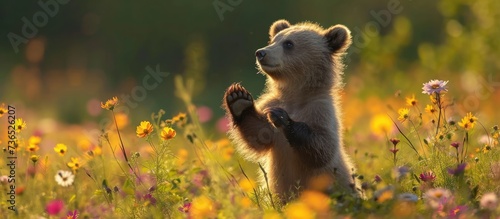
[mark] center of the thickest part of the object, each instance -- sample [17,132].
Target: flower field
[99,120]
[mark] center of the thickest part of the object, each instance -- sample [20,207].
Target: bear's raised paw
[238,99]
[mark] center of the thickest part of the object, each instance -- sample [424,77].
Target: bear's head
[303,53]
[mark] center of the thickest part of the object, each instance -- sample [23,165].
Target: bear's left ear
[338,38]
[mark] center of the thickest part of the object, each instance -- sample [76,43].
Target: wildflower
[298,210]
[144,129]
[202,207]
[394,141]
[317,201]
[428,176]
[19,125]
[468,122]
[381,125]
[61,149]
[437,198]
[394,150]
[377,179]
[384,194]
[434,86]
[455,144]
[408,197]
[54,207]
[411,101]
[245,202]
[110,104]
[247,185]
[403,114]
[149,199]
[457,171]
[35,158]
[457,211]
[4,179]
[167,133]
[179,118]
[72,215]
[2,109]
[489,201]
[74,164]
[430,109]
[32,148]
[64,178]
[227,153]
[185,207]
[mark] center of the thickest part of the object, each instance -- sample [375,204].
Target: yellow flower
[411,101]
[33,144]
[430,109]
[385,196]
[144,129]
[247,185]
[179,118]
[202,207]
[182,156]
[270,214]
[316,200]
[227,153]
[61,149]
[3,110]
[19,125]
[110,104]
[403,114]
[35,158]
[381,125]
[245,202]
[74,164]
[167,133]
[298,210]
[468,122]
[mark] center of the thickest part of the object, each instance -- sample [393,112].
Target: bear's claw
[238,99]
[277,116]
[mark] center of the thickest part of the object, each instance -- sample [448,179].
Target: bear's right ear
[338,38]
[278,26]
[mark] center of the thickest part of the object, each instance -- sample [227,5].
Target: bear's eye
[288,44]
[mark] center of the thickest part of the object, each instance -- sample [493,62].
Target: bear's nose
[260,54]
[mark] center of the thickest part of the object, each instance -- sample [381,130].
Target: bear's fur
[294,128]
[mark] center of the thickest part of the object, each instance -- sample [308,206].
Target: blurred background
[60,59]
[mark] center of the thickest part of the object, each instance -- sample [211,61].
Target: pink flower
[204,113]
[455,144]
[428,176]
[54,207]
[434,86]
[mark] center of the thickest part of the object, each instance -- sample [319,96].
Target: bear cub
[294,128]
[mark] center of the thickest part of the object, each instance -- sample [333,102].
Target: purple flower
[185,208]
[149,198]
[54,207]
[457,211]
[434,86]
[72,215]
[455,144]
[428,176]
[459,170]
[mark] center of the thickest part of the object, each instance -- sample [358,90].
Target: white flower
[489,201]
[434,86]
[437,197]
[64,178]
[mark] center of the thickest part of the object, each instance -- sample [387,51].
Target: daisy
[489,201]
[434,86]
[19,125]
[430,109]
[74,164]
[64,178]
[403,114]
[438,197]
[411,101]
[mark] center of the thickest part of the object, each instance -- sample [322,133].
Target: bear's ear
[338,38]
[278,26]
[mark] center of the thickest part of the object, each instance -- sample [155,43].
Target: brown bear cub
[294,128]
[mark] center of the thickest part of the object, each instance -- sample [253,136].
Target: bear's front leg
[248,123]
[309,143]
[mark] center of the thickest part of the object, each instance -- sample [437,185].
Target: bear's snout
[260,54]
